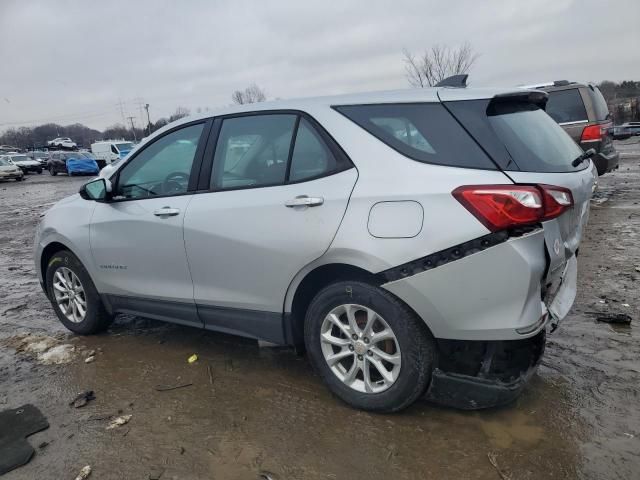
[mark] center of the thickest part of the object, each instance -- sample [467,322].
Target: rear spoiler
[537,97]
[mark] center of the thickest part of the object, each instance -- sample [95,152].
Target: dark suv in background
[582,111]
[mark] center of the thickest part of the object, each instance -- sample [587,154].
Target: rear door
[270,205]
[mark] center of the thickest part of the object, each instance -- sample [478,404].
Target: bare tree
[180,112]
[438,63]
[252,94]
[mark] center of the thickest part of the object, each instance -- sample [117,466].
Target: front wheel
[52,171]
[370,349]
[39,171]
[19,179]
[73,295]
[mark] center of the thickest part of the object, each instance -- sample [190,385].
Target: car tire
[52,171]
[412,343]
[65,275]
[39,171]
[19,179]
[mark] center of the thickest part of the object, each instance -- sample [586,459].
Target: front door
[137,239]
[278,191]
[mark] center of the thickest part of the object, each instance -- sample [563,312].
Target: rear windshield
[425,132]
[566,106]
[599,104]
[534,141]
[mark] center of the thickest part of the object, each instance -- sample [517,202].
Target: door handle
[166,212]
[304,201]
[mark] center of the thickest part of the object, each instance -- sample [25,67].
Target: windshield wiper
[582,157]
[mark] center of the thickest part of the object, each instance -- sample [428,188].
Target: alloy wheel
[360,348]
[69,295]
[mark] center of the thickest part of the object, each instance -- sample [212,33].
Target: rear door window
[252,151]
[424,132]
[566,106]
[311,157]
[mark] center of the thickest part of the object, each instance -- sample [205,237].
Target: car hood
[26,163]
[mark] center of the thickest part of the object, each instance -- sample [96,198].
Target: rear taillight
[500,207]
[595,132]
[556,201]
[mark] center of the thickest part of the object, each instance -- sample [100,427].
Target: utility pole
[133,129]
[146,107]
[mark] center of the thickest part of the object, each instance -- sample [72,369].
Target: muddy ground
[250,410]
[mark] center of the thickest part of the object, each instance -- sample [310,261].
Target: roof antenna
[458,81]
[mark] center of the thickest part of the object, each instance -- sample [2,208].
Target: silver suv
[414,242]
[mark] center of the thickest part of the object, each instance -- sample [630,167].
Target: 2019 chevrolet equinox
[415,242]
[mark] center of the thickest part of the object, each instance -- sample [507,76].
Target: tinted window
[566,106]
[424,132]
[253,151]
[311,156]
[599,103]
[533,139]
[163,167]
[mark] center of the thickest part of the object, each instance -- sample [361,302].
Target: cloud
[78,61]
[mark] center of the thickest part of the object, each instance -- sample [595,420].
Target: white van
[109,151]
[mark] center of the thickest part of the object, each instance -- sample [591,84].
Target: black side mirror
[98,190]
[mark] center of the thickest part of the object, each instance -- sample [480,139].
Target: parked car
[412,241]
[25,163]
[62,142]
[9,171]
[582,111]
[109,151]
[72,163]
[42,157]
[626,130]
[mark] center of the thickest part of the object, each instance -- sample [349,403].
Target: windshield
[533,139]
[88,155]
[4,163]
[19,158]
[74,156]
[124,146]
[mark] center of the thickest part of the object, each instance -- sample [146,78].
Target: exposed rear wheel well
[315,281]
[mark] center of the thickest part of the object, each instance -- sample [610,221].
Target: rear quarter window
[566,106]
[425,132]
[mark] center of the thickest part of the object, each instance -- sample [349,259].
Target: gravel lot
[250,410]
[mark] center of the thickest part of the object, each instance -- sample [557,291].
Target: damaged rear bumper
[472,375]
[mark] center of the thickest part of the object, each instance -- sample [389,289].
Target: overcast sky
[76,61]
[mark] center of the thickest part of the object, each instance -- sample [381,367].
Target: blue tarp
[84,165]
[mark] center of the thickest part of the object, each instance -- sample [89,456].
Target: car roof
[411,95]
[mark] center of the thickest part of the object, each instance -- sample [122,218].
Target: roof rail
[458,81]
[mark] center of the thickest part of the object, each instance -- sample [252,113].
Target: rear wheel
[52,171]
[39,171]
[73,295]
[370,349]
[19,179]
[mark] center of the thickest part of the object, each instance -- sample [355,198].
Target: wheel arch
[308,285]
[47,252]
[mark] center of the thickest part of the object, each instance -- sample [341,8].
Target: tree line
[26,138]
